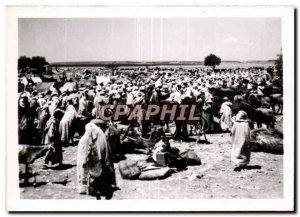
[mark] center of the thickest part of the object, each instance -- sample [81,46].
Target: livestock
[27,155]
[277,100]
[265,116]
[219,94]
[267,140]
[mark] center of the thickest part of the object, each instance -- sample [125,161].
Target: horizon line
[125,62]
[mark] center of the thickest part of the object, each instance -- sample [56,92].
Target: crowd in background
[48,117]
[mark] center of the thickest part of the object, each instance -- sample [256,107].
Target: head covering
[241,116]
[225,99]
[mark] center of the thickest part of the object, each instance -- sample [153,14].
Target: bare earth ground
[215,178]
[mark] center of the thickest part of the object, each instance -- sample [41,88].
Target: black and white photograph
[161,106]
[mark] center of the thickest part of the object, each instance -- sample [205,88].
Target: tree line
[35,64]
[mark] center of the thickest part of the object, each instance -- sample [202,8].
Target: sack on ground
[191,158]
[160,173]
[129,169]
[267,140]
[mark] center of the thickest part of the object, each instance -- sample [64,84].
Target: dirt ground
[215,178]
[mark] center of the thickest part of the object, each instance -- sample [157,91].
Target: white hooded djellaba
[101,168]
[226,115]
[241,150]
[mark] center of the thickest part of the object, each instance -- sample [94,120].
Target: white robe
[226,116]
[93,136]
[240,154]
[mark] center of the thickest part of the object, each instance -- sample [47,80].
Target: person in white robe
[226,115]
[95,169]
[241,150]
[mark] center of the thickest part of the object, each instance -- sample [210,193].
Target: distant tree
[278,65]
[212,60]
[38,63]
[26,70]
[35,64]
[23,62]
[270,70]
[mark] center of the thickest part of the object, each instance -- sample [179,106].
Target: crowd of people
[54,116]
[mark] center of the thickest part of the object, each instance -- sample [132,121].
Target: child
[241,151]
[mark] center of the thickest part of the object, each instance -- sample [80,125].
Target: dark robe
[26,127]
[52,138]
[43,118]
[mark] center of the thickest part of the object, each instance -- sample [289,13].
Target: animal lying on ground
[267,140]
[27,155]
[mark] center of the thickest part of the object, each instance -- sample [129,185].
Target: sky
[149,39]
